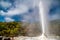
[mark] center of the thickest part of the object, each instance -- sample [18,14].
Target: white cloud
[5,4]
[55,16]
[19,10]
[32,17]
[20,7]
[16,11]
[7,19]
[30,3]
[2,13]
[47,6]
[26,18]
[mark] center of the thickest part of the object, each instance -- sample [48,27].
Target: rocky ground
[38,38]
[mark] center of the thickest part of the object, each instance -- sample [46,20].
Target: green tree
[11,29]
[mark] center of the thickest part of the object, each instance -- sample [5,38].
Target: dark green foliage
[11,29]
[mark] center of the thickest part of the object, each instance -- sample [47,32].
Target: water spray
[43,19]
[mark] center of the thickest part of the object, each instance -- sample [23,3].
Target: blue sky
[25,10]
[52,8]
[18,10]
[54,11]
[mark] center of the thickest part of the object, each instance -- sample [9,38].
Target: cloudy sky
[18,10]
[52,8]
[26,10]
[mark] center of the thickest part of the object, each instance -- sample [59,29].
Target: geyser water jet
[43,18]
[41,14]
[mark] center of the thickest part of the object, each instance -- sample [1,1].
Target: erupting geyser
[43,19]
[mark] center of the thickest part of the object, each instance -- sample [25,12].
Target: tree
[11,29]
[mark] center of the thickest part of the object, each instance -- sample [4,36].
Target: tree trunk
[12,38]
